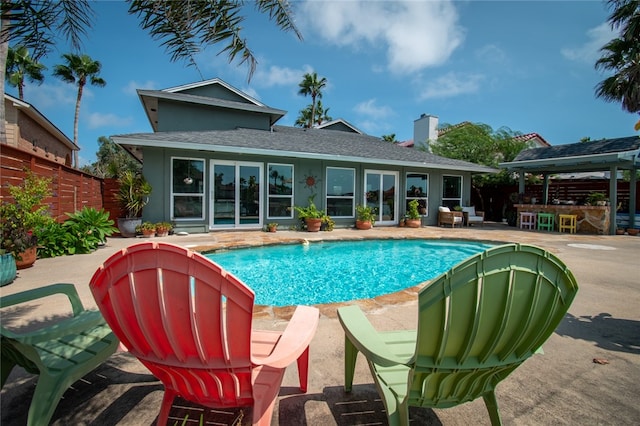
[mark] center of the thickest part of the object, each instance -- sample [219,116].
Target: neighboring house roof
[534,138]
[581,156]
[529,137]
[295,142]
[341,125]
[43,121]
[149,99]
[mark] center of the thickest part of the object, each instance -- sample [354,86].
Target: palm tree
[21,65]
[303,117]
[389,138]
[311,86]
[622,56]
[322,115]
[80,70]
[182,27]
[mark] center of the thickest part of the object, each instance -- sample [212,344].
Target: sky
[524,65]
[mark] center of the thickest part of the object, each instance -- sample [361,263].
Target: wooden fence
[72,190]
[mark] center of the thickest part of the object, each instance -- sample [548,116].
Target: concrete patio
[562,387]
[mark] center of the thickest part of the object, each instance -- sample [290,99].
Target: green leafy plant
[412,212]
[595,198]
[133,194]
[56,240]
[146,226]
[327,223]
[271,227]
[163,226]
[309,212]
[94,223]
[366,213]
[15,237]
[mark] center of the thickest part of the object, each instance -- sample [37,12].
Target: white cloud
[451,84]
[279,76]
[370,109]
[492,54]
[50,95]
[132,86]
[415,34]
[96,120]
[590,50]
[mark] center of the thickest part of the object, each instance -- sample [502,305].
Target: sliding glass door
[236,200]
[380,193]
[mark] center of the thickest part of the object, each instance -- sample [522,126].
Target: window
[280,184]
[451,191]
[417,188]
[187,188]
[340,192]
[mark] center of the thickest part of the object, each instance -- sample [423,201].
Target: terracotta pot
[413,223]
[313,225]
[363,224]
[27,258]
[148,233]
[632,231]
[162,232]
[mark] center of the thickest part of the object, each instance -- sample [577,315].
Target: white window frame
[291,197]
[200,194]
[459,200]
[426,196]
[344,197]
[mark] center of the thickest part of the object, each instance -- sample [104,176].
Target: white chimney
[425,130]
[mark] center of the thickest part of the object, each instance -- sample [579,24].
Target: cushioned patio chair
[448,217]
[60,353]
[471,216]
[190,323]
[476,324]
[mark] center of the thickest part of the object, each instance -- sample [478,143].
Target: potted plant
[163,229]
[311,215]
[272,227]
[17,241]
[147,229]
[597,199]
[133,195]
[365,216]
[327,223]
[412,219]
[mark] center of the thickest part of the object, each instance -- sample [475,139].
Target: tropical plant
[366,213]
[21,66]
[621,56]
[390,138]
[146,226]
[312,86]
[166,226]
[271,227]
[412,211]
[133,193]
[327,223]
[91,225]
[112,160]
[595,198]
[79,70]
[183,27]
[321,116]
[309,212]
[56,240]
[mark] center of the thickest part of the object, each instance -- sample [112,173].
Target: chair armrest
[480,213]
[365,338]
[69,326]
[38,293]
[295,339]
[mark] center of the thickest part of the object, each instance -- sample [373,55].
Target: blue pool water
[339,271]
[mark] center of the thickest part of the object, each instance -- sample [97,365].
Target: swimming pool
[339,271]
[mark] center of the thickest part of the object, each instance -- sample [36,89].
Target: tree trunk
[75,126]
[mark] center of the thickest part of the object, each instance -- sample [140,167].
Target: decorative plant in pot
[147,229]
[163,229]
[412,219]
[365,216]
[18,244]
[597,199]
[311,215]
[272,227]
[133,195]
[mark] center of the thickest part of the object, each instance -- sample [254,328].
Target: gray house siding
[176,116]
[215,91]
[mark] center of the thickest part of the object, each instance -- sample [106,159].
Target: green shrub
[55,240]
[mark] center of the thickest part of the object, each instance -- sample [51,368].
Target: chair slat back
[483,318]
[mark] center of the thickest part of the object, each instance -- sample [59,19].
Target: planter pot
[27,258]
[7,269]
[272,228]
[163,233]
[127,226]
[413,223]
[148,233]
[313,225]
[363,224]
[619,231]
[632,231]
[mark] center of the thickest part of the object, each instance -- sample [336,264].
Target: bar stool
[567,222]
[546,221]
[527,220]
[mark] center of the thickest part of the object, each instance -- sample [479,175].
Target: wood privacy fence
[72,189]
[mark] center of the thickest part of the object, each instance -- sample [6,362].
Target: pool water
[339,271]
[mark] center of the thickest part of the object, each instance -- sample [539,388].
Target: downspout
[613,199]
[632,196]
[545,189]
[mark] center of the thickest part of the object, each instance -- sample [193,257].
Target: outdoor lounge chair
[190,323]
[471,216]
[448,217]
[476,324]
[59,353]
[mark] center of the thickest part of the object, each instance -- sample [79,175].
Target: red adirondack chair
[190,323]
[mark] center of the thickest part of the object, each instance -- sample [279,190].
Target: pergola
[604,155]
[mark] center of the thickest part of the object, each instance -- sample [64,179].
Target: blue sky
[526,65]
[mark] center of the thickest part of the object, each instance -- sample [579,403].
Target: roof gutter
[573,160]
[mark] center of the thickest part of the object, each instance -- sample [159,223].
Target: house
[28,130]
[216,159]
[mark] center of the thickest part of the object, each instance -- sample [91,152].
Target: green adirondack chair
[476,324]
[60,353]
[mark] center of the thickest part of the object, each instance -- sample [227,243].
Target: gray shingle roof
[300,143]
[604,146]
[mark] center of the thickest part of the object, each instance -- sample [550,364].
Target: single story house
[216,159]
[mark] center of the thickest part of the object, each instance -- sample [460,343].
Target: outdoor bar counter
[590,219]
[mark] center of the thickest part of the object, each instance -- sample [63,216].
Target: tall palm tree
[79,70]
[312,86]
[622,57]
[322,115]
[21,65]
